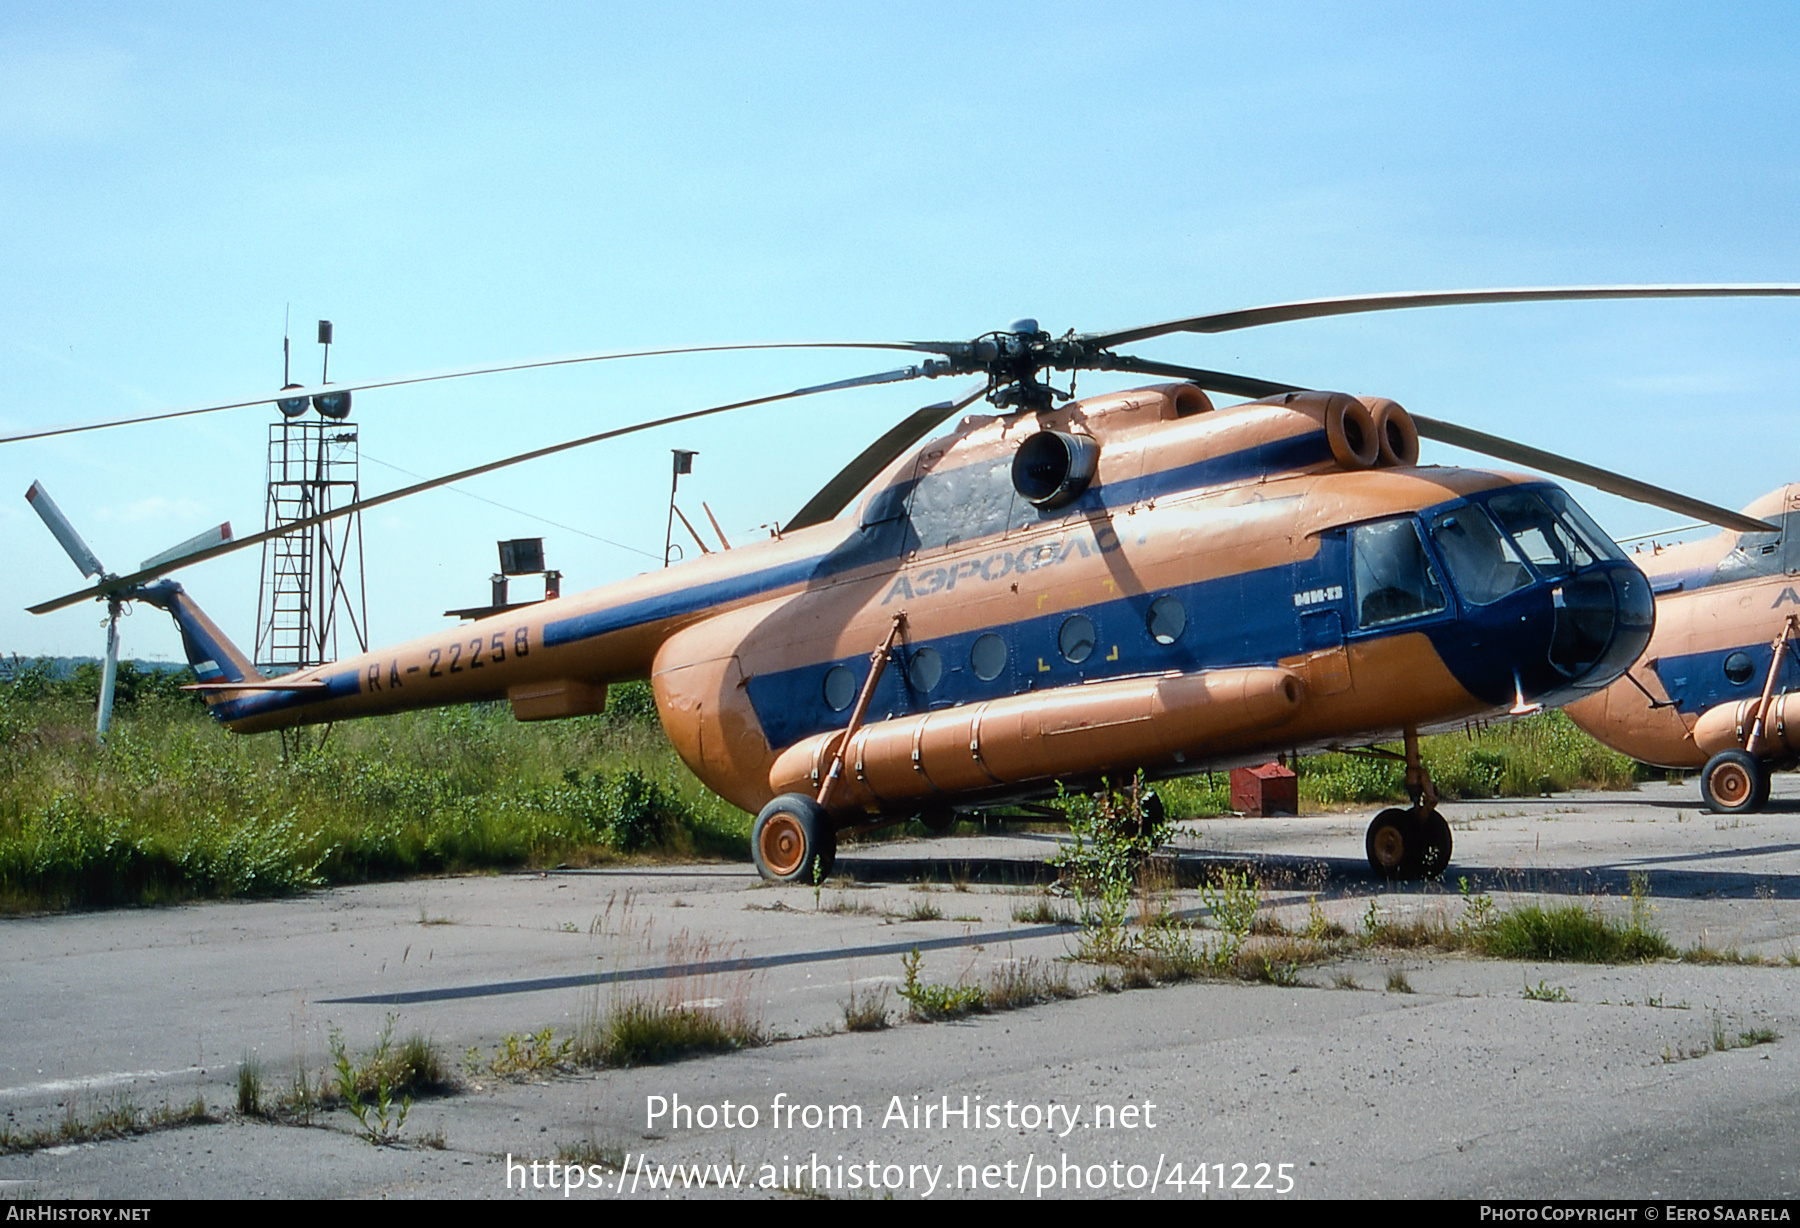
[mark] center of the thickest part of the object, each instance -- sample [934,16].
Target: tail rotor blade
[200,541]
[52,516]
[1592,475]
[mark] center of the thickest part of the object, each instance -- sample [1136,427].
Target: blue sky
[452,184]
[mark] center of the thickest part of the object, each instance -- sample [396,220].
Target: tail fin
[213,657]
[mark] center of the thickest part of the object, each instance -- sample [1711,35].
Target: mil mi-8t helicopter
[1058,591]
[1714,686]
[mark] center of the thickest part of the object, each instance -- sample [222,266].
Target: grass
[119,1118]
[250,1087]
[1545,753]
[590,1151]
[1041,912]
[646,1032]
[1397,982]
[1722,1040]
[929,1002]
[867,1014]
[172,807]
[1566,933]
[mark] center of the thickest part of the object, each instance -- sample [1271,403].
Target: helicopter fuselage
[1223,586]
[1723,603]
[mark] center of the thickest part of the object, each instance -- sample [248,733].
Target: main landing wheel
[1438,845]
[1733,782]
[1408,844]
[793,841]
[1395,844]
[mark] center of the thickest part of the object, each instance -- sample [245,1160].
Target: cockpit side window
[1394,577]
[1484,566]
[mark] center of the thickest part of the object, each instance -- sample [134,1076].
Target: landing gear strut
[1412,843]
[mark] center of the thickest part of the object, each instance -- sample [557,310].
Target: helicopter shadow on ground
[1774,806]
[1676,875]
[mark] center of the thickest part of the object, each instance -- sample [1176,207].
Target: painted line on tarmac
[92,1082]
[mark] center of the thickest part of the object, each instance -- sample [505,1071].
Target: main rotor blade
[1312,309]
[836,494]
[123,584]
[1212,381]
[1592,475]
[186,411]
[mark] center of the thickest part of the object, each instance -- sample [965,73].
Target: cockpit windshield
[1553,547]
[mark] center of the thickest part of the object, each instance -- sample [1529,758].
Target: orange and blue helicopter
[1713,688]
[1060,591]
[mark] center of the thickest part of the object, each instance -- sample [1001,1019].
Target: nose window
[1394,576]
[1483,564]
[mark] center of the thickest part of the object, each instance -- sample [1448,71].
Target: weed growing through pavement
[521,1055]
[868,1013]
[118,1118]
[1397,982]
[1721,1041]
[250,1086]
[930,1002]
[1568,933]
[695,1007]
[1041,912]
[379,1119]
[1014,984]
[1113,832]
[1543,991]
[590,1151]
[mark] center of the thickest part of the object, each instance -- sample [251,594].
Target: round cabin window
[925,670]
[1076,639]
[840,688]
[1738,668]
[1167,620]
[988,657]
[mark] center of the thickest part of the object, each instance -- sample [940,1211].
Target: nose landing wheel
[1734,782]
[1411,843]
[793,840]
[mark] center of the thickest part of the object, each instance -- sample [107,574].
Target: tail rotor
[114,593]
